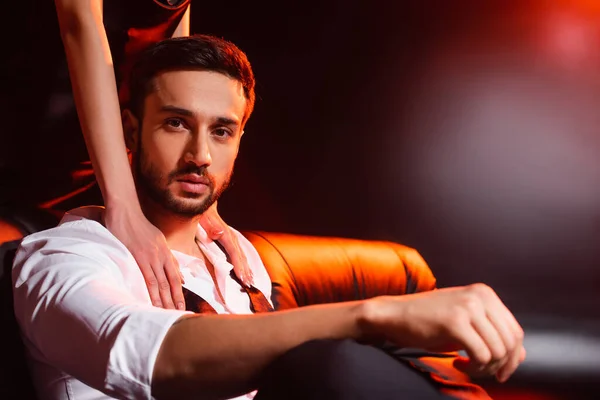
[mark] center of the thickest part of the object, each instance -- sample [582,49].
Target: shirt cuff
[133,355]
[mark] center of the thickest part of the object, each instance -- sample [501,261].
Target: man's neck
[180,232]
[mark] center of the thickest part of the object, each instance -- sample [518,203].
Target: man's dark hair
[202,52]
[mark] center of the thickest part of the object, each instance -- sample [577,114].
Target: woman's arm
[95,93]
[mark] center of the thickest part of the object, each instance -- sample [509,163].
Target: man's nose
[198,150]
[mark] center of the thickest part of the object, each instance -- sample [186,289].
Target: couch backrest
[15,380]
[309,270]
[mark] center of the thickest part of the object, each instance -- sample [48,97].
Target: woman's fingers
[212,223]
[162,284]
[217,229]
[151,281]
[240,264]
[163,279]
[173,274]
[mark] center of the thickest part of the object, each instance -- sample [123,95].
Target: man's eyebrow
[187,113]
[177,110]
[227,121]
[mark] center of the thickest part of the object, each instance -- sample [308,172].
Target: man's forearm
[223,356]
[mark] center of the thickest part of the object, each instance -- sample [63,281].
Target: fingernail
[180,306]
[247,281]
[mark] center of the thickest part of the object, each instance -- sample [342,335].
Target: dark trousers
[343,370]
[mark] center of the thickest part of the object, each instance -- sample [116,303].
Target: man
[91,330]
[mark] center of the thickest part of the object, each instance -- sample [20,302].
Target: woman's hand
[149,248]
[217,229]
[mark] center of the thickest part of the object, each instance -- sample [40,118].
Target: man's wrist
[378,322]
[366,317]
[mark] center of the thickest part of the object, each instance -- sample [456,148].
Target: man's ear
[131,130]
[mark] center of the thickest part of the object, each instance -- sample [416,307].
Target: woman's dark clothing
[43,158]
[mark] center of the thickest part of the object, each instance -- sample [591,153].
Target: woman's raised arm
[95,93]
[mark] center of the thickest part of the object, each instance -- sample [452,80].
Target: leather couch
[309,270]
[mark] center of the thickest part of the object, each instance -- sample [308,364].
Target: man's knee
[344,369]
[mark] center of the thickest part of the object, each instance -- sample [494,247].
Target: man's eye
[222,132]
[174,123]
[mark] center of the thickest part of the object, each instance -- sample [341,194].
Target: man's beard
[148,181]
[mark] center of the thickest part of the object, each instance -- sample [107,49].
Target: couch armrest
[309,270]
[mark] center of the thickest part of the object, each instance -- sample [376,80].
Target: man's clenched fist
[470,318]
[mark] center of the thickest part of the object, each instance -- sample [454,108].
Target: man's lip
[193,178]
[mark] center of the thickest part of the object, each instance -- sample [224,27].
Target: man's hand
[217,229]
[471,318]
[149,248]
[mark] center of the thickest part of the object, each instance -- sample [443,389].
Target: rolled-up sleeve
[77,302]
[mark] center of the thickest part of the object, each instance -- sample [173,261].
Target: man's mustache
[190,169]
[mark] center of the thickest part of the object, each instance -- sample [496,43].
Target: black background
[465,129]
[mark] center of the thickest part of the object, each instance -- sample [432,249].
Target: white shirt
[86,318]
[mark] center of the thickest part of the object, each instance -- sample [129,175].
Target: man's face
[189,139]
